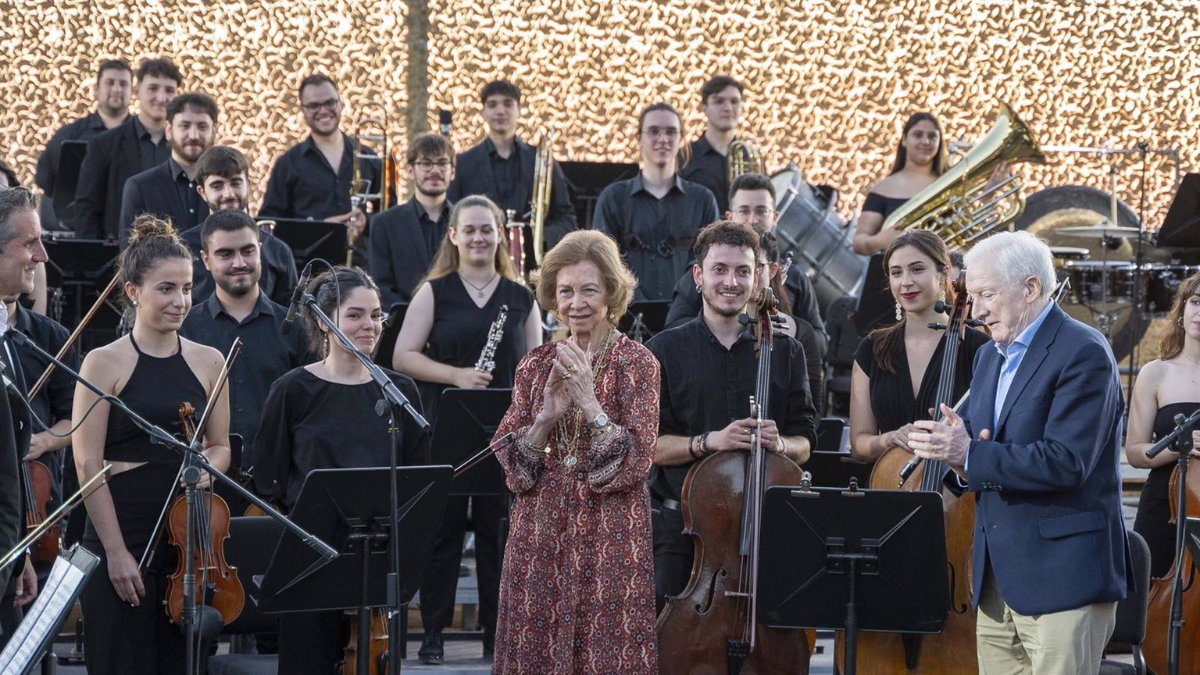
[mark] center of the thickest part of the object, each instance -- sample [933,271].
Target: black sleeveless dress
[892,400]
[1154,506]
[460,328]
[121,638]
[877,307]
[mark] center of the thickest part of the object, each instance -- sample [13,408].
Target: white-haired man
[1038,444]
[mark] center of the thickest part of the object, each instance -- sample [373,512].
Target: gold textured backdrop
[829,82]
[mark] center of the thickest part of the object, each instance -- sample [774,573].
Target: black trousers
[673,553]
[311,643]
[123,640]
[441,572]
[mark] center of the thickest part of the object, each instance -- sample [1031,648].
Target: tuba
[370,129]
[743,157]
[964,204]
[543,176]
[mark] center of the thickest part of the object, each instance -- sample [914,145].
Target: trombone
[543,177]
[371,127]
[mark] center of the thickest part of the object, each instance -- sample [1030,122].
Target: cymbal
[1101,231]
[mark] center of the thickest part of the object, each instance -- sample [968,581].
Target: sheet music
[66,580]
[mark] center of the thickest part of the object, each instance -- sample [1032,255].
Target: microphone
[297,296]
[444,117]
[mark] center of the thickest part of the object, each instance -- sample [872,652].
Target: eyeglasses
[314,107]
[760,211]
[426,165]
[655,132]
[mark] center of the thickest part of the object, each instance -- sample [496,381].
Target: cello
[953,650]
[1158,615]
[713,626]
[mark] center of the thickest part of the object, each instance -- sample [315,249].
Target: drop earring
[899,312]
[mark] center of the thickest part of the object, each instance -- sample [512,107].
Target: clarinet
[487,358]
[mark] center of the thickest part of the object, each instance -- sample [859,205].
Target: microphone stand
[1181,438]
[194,461]
[396,401]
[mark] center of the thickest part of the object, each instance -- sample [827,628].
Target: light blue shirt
[1011,360]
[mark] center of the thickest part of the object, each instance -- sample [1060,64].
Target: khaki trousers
[1061,643]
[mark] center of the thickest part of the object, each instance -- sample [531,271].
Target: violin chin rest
[210,622]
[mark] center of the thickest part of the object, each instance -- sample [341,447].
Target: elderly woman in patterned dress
[577,590]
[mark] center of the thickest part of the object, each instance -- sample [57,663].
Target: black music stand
[467,419]
[853,560]
[644,319]
[70,161]
[81,268]
[586,180]
[310,239]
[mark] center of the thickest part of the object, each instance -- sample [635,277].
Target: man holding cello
[1038,444]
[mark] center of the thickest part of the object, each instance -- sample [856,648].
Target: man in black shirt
[709,371]
[405,238]
[312,180]
[223,182]
[238,308]
[169,189]
[721,102]
[654,216]
[502,166]
[752,202]
[138,144]
[113,88]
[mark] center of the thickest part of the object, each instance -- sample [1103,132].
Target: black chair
[832,435]
[250,546]
[1130,629]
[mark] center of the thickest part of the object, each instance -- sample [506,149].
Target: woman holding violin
[577,593]
[322,416]
[470,304]
[152,370]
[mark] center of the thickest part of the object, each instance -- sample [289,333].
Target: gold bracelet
[543,449]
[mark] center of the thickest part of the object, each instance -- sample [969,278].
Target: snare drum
[1096,283]
[1162,283]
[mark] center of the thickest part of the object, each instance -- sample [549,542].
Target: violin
[714,626]
[217,584]
[378,643]
[953,650]
[38,493]
[1158,615]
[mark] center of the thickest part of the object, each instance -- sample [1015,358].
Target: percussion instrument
[1099,283]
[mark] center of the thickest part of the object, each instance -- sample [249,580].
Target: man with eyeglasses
[654,216]
[752,202]
[405,238]
[501,168]
[312,179]
[721,103]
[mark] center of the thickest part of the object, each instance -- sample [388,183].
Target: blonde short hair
[598,249]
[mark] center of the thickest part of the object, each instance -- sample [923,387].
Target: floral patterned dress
[577,591]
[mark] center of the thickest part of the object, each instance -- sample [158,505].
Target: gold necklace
[570,426]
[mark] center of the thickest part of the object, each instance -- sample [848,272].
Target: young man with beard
[312,180]
[239,309]
[654,216]
[113,88]
[752,202]
[223,182]
[138,144]
[169,189]
[709,371]
[501,168]
[721,103]
[405,238]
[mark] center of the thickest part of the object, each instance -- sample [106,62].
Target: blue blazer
[1048,485]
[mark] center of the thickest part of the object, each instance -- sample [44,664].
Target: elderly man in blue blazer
[1038,445]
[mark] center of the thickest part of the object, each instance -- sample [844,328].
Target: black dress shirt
[267,354]
[83,129]
[304,185]
[149,152]
[278,277]
[655,235]
[507,173]
[710,169]
[164,191]
[404,241]
[705,387]
[54,401]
